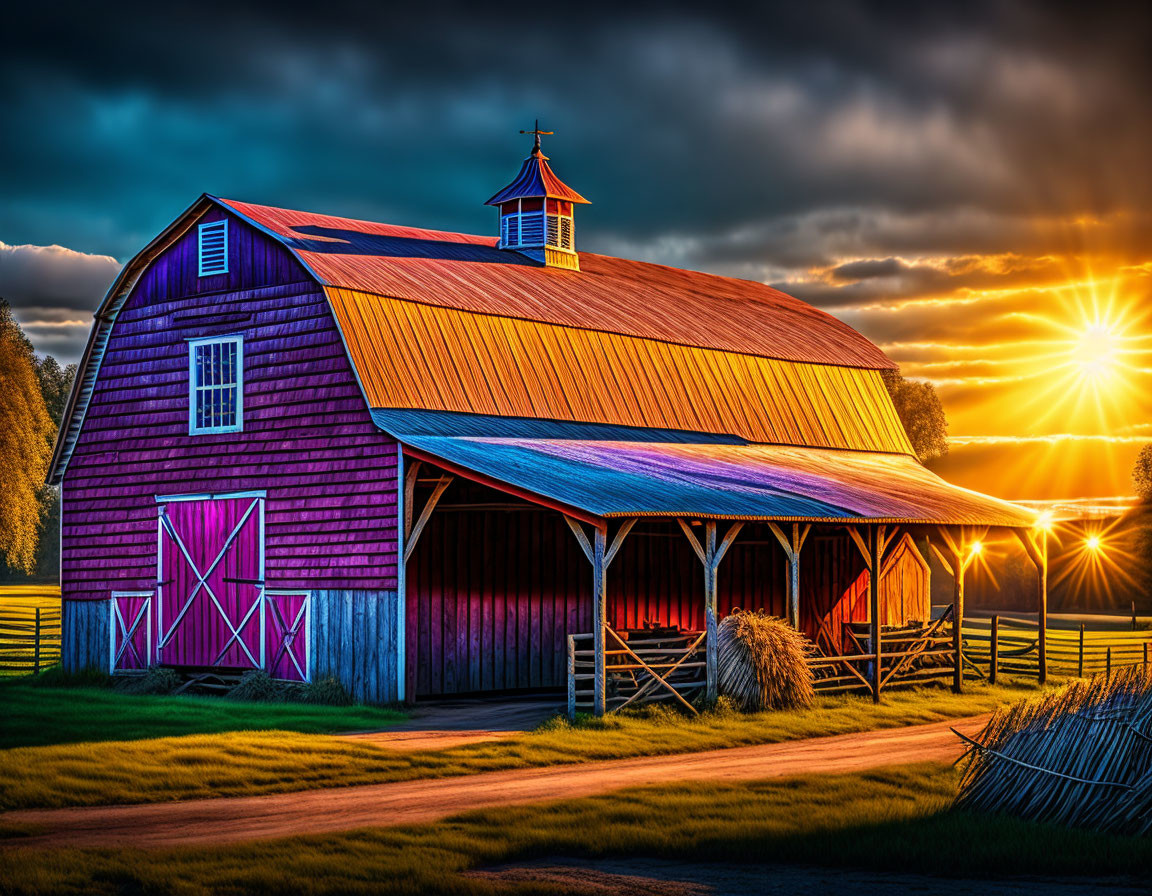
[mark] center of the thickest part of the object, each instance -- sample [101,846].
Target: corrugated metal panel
[612,295]
[419,356]
[620,479]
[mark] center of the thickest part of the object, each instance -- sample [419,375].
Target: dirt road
[236,819]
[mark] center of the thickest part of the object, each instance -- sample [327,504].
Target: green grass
[35,715]
[893,819]
[245,762]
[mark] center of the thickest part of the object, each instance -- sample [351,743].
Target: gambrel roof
[442,324]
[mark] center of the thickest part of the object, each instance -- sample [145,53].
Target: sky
[968,185]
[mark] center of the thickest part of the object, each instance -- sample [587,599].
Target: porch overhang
[612,472]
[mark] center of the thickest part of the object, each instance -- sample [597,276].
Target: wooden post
[875,549]
[36,647]
[571,677]
[958,623]
[600,555]
[1042,637]
[1080,663]
[1145,654]
[792,546]
[710,553]
[1037,550]
[600,619]
[711,624]
[995,643]
[1108,664]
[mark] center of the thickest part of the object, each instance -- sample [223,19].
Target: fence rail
[641,666]
[911,654]
[1010,644]
[29,639]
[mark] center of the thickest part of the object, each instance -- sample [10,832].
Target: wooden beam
[875,541]
[726,542]
[600,616]
[425,515]
[940,556]
[618,541]
[692,539]
[780,536]
[711,623]
[410,496]
[949,541]
[865,551]
[490,482]
[578,531]
[1039,557]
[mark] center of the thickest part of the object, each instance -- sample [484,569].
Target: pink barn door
[211,590]
[131,631]
[286,634]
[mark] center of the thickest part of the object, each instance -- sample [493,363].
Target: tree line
[33,392]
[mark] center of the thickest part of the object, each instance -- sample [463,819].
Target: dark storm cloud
[800,137]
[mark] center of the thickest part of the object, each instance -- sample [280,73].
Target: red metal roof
[612,295]
[536,180]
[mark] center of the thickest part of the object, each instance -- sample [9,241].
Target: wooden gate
[210,606]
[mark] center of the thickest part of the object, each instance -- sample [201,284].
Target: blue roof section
[612,471]
[400,423]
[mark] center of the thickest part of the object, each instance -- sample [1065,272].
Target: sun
[1096,353]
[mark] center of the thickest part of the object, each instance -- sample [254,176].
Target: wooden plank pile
[1080,757]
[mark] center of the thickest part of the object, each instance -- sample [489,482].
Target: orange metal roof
[611,295]
[410,355]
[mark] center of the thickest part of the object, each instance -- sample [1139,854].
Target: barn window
[214,248]
[216,385]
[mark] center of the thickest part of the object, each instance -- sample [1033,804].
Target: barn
[430,463]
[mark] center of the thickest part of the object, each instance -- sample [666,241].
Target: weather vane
[536,130]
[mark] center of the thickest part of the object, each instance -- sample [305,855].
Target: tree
[1142,474]
[919,409]
[55,384]
[26,433]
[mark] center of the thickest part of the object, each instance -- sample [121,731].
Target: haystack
[1081,756]
[762,662]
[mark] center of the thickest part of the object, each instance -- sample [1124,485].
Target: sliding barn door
[210,608]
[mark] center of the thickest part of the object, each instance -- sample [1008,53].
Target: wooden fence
[909,654]
[641,666]
[29,639]
[1007,644]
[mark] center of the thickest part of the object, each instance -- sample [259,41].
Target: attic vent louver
[214,248]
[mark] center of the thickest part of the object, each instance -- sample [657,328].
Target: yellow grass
[18,605]
[239,763]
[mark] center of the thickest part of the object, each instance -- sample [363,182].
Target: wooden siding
[354,639]
[418,356]
[493,593]
[308,439]
[86,635]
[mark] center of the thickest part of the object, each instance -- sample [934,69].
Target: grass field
[250,762]
[893,819]
[18,605]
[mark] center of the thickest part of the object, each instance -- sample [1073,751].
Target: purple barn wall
[308,440]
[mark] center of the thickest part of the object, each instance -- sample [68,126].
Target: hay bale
[763,662]
[1081,757]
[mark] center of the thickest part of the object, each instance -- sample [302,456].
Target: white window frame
[194,389]
[221,225]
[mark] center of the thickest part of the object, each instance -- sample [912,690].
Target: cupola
[536,211]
